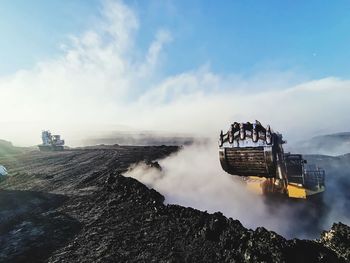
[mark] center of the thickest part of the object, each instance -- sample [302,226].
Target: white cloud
[100,80]
[301,110]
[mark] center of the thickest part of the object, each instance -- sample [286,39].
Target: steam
[337,196]
[193,177]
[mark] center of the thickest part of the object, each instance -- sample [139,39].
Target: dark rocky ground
[75,206]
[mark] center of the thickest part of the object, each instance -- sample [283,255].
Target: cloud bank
[103,80]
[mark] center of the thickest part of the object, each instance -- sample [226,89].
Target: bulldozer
[51,142]
[256,154]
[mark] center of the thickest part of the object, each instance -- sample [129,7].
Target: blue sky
[175,66]
[311,38]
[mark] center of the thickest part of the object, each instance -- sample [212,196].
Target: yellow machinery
[255,153]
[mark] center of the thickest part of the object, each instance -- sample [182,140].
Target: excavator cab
[295,167]
[303,179]
[251,151]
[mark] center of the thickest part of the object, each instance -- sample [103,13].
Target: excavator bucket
[252,151]
[249,149]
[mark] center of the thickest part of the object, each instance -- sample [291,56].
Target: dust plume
[193,177]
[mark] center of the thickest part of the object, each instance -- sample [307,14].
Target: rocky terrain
[76,206]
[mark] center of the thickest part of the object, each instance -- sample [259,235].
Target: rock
[155,165]
[121,220]
[338,239]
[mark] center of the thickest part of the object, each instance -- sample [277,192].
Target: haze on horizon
[84,68]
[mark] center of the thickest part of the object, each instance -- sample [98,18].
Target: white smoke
[194,178]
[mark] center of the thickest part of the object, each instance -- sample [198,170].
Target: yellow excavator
[256,154]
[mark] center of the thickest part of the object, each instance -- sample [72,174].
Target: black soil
[76,206]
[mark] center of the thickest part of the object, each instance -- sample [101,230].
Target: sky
[85,66]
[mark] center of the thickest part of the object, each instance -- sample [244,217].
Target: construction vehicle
[51,142]
[256,154]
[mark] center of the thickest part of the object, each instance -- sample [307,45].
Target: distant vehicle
[256,153]
[51,142]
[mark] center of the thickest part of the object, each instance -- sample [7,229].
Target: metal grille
[247,161]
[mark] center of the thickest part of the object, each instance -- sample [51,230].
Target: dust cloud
[193,177]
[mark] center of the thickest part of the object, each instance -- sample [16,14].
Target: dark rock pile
[131,223]
[30,228]
[338,239]
[98,215]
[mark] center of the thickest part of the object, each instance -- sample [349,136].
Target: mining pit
[76,206]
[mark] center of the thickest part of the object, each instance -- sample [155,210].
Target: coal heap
[132,224]
[80,208]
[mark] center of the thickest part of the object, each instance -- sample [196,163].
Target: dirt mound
[97,215]
[131,223]
[6,148]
